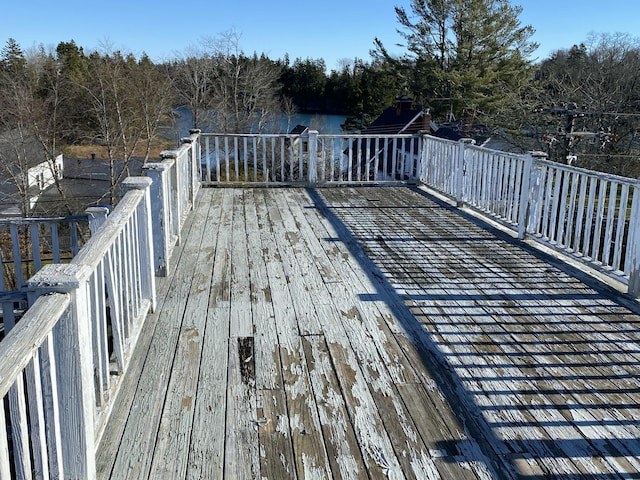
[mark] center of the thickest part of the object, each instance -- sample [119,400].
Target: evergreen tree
[12,59]
[463,55]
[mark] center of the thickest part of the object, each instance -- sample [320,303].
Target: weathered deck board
[372,333]
[207,449]
[136,414]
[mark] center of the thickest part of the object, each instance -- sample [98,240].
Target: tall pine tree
[12,58]
[463,55]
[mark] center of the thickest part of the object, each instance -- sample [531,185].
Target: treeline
[468,62]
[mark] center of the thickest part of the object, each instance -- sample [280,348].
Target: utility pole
[572,137]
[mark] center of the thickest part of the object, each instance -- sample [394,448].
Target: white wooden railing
[175,184]
[591,216]
[28,243]
[108,289]
[588,215]
[310,159]
[62,363]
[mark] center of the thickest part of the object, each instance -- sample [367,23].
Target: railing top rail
[99,243]
[183,149]
[321,135]
[17,348]
[590,173]
[46,220]
[12,295]
[494,151]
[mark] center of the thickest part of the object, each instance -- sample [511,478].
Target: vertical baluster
[19,429]
[610,222]
[571,211]
[55,243]
[100,333]
[51,407]
[245,158]
[394,154]
[579,225]
[359,159]
[115,309]
[589,220]
[351,159]
[73,238]
[282,157]
[36,418]
[597,231]
[216,145]
[620,227]
[562,208]
[555,206]
[17,255]
[207,160]
[301,172]
[34,230]
[5,468]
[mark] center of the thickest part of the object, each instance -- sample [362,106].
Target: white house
[25,171]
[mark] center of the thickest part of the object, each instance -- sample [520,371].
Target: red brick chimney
[427,120]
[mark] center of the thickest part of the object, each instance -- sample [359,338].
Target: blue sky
[329,29]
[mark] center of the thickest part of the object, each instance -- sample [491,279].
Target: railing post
[459,173]
[173,192]
[313,156]
[525,196]
[145,238]
[160,213]
[422,167]
[190,168]
[97,216]
[196,174]
[74,366]
[633,244]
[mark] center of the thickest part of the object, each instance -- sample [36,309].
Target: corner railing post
[173,193]
[145,238]
[97,216]
[459,173]
[196,174]
[160,214]
[525,196]
[422,166]
[74,366]
[189,167]
[313,156]
[633,244]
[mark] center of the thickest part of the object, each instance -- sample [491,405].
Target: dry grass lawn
[85,151]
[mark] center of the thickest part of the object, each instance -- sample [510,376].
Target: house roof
[20,149]
[457,130]
[401,118]
[395,120]
[299,129]
[85,183]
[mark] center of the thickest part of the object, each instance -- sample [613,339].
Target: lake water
[327,124]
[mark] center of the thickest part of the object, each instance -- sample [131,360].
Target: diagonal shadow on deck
[541,369]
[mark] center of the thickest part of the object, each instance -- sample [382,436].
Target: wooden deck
[372,333]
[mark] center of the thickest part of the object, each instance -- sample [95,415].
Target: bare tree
[30,97]
[128,100]
[243,89]
[192,77]
[589,96]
